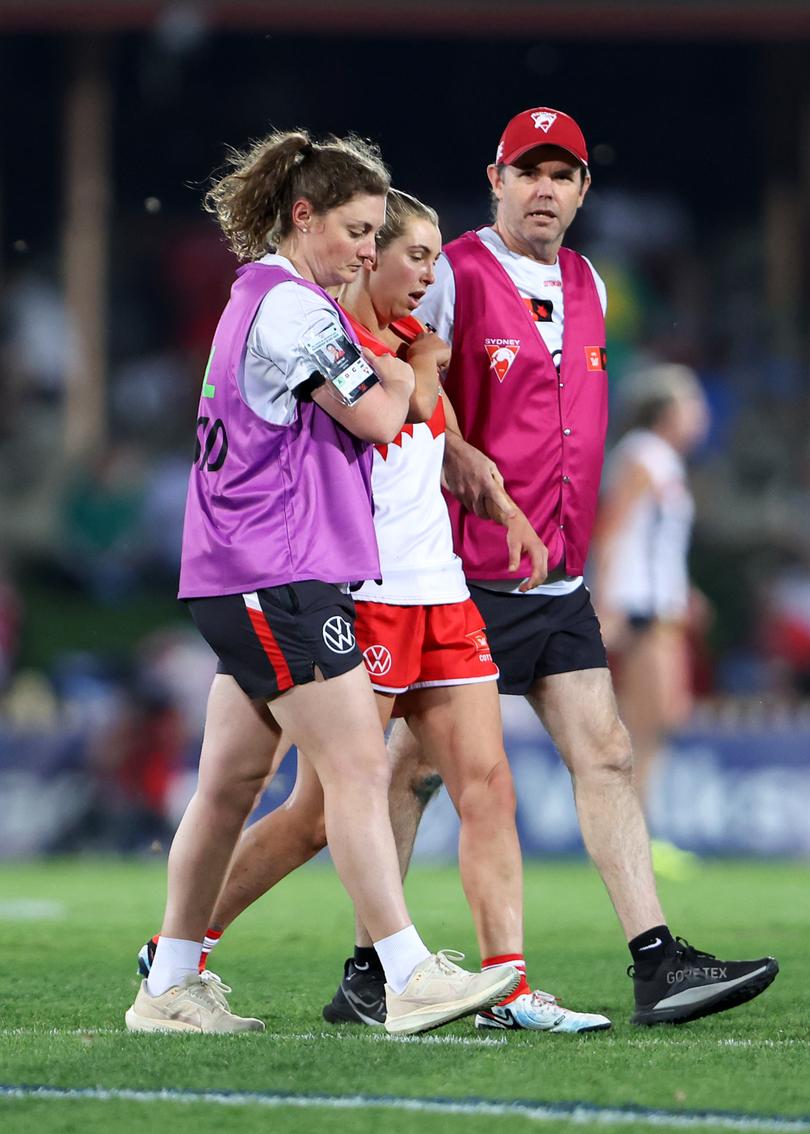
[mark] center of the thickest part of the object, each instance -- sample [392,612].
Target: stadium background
[111,280]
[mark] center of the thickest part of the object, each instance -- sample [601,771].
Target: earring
[304,228]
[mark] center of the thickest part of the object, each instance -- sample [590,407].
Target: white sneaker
[439,991]
[540,1012]
[198,1004]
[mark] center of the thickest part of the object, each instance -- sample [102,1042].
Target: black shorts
[533,636]
[274,638]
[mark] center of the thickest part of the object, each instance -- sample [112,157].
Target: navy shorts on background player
[533,636]
[274,638]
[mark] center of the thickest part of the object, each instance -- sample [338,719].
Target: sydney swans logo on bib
[337,633]
[502,353]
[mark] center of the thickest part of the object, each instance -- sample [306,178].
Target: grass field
[70,931]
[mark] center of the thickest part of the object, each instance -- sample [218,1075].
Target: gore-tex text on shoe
[716,973]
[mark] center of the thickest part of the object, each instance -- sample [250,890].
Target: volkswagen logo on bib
[338,635]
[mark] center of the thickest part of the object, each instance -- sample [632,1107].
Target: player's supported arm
[428,355]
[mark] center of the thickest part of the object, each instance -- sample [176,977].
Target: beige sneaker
[439,991]
[197,1005]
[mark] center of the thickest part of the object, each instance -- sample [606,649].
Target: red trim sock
[517,961]
[211,938]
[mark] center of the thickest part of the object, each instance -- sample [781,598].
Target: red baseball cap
[540,126]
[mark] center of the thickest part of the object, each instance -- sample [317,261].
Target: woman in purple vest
[278,524]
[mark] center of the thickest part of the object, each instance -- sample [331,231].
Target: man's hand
[522,539]
[475,481]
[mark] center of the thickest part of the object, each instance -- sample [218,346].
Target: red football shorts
[416,647]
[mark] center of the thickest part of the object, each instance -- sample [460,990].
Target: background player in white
[642,591]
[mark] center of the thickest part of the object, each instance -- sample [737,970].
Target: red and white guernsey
[419,567]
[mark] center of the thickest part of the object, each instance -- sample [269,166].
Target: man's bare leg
[579,712]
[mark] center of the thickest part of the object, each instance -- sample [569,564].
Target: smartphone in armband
[339,360]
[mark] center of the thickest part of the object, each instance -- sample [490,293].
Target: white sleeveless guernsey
[648,576]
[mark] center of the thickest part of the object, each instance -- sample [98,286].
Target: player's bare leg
[336,723]
[274,846]
[238,750]
[459,728]
[414,782]
[235,761]
[654,695]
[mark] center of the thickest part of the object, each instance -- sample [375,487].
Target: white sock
[400,954]
[174,961]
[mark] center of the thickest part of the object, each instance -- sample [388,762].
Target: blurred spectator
[785,629]
[36,340]
[101,512]
[161,519]
[10,620]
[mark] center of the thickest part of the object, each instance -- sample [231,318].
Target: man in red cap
[528,382]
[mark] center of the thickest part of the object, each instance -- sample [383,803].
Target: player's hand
[522,540]
[427,346]
[475,481]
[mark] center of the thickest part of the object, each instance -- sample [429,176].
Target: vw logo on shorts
[338,635]
[378,660]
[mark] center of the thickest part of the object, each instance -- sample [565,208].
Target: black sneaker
[360,998]
[147,956]
[689,984]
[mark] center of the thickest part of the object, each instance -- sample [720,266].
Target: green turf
[68,979]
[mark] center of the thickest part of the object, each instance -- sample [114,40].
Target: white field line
[580,1114]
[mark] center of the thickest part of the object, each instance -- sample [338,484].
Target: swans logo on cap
[502,353]
[544,120]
